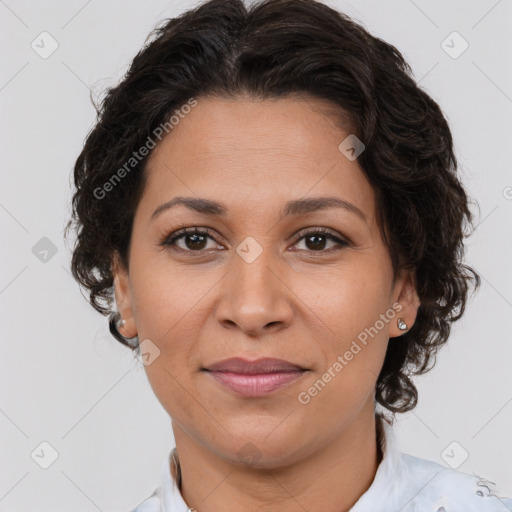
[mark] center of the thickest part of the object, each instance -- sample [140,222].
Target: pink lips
[255,378]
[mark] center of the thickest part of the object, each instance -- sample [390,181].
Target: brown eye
[195,241]
[192,239]
[316,241]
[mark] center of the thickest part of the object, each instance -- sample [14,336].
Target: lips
[254,378]
[259,366]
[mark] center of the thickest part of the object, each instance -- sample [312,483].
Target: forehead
[245,151]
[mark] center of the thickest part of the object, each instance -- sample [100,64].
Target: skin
[297,301]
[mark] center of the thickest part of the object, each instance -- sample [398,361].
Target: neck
[331,479]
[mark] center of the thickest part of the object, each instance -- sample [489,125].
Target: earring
[115,321]
[402,325]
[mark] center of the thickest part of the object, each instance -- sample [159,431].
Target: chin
[264,451]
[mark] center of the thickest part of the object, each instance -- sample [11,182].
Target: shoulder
[441,489]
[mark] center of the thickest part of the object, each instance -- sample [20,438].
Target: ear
[123,297]
[406,302]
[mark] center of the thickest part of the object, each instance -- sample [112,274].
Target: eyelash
[169,240]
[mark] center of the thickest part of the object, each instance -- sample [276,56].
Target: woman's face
[263,282]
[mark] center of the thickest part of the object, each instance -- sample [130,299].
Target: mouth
[259,366]
[255,378]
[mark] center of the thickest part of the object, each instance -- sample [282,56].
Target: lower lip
[256,385]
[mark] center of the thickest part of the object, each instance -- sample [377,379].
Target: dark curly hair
[272,49]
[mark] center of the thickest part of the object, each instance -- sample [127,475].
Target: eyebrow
[291,208]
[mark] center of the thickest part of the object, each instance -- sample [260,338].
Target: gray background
[66,381]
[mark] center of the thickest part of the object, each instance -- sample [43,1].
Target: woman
[275,205]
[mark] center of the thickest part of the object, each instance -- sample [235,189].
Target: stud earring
[402,325]
[121,323]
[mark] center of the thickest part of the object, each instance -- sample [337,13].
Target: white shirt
[402,483]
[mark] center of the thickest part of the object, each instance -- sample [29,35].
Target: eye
[316,239]
[195,240]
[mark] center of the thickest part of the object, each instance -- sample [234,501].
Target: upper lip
[258,366]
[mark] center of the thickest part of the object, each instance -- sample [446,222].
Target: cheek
[168,304]
[351,307]
[347,300]
[172,388]
[165,295]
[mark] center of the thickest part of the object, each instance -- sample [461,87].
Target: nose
[255,298]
